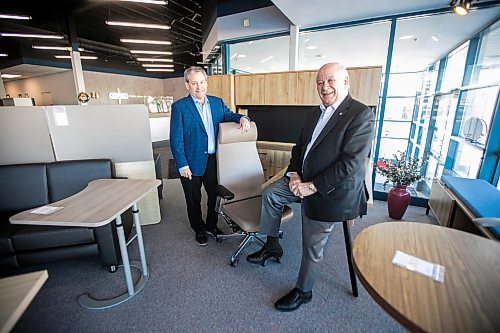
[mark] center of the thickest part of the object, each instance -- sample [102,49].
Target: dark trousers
[192,193]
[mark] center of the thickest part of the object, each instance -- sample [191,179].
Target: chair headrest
[230,133]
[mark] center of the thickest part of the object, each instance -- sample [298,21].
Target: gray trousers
[315,234]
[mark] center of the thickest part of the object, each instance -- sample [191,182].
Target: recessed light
[58,48]
[81,57]
[145,41]
[242,55]
[312,47]
[151,52]
[15,17]
[160,70]
[152,2]
[250,42]
[4,55]
[11,34]
[157,65]
[266,59]
[307,39]
[10,76]
[156,59]
[434,38]
[406,37]
[138,25]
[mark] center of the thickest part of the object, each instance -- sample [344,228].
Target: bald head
[332,83]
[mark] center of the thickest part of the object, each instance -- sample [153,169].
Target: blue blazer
[188,137]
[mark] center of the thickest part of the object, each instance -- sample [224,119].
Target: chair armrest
[487,221]
[224,193]
[274,178]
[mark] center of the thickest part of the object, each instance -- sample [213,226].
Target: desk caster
[234,263]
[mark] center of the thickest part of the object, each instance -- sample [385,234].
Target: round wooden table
[467,301]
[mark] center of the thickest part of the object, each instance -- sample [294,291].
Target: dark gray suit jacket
[336,162]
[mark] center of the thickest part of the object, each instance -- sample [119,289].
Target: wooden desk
[467,301]
[16,293]
[102,201]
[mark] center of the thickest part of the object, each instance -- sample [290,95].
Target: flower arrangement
[401,170]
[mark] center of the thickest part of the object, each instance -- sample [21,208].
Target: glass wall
[442,87]
[260,56]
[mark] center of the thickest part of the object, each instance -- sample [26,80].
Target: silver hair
[194,69]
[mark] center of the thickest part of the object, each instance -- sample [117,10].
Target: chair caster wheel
[280,236]
[218,240]
[234,263]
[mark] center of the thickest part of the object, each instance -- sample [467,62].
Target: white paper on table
[427,268]
[46,210]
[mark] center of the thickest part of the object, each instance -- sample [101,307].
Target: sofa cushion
[23,186]
[67,178]
[482,198]
[42,237]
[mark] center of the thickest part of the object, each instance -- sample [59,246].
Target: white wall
[175,87]
[61,87]
[104,83]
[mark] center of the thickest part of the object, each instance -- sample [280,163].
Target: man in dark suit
[326,173]
[193,133]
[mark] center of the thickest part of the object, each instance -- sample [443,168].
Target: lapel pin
[340,113]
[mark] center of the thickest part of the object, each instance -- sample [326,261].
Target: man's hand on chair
[186,173]
[244,124]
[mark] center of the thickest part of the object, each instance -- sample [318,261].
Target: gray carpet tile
[193,288]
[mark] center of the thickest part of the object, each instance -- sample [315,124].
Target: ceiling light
[139,25]
[406,37]
[311,47]
[145,41]
[461,7]
[153,2]
[81,57]
[155,59]
[266,59]
[59,48]
[306,40]
[4,55]
[10,76]
[157,65]
[250,42]
[151,52]
[15,17]
[9,34]
[233,56]
[242,55]
[434,38]
[160,70]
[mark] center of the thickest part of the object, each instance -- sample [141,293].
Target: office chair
[240,177]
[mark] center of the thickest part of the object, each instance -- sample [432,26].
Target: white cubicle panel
[24,135]
[118,132]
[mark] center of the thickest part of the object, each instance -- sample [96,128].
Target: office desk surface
[467,301]
[16,293]
[96,205]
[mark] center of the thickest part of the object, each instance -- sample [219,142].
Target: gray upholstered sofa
[25,186]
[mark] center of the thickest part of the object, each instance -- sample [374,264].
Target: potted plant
[401,171]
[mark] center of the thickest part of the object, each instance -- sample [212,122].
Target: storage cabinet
[441,203]
[223,87]
[299,88]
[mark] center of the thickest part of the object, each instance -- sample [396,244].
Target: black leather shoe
[260,257]
[201,238]
[293,300]
[214,232]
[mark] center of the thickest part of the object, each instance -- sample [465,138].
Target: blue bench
[480,197]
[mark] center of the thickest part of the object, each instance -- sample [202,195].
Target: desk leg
[138,230]
[87,302]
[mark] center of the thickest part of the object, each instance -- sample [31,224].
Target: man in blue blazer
[193,133]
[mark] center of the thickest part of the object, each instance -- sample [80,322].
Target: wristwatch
[312,187]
